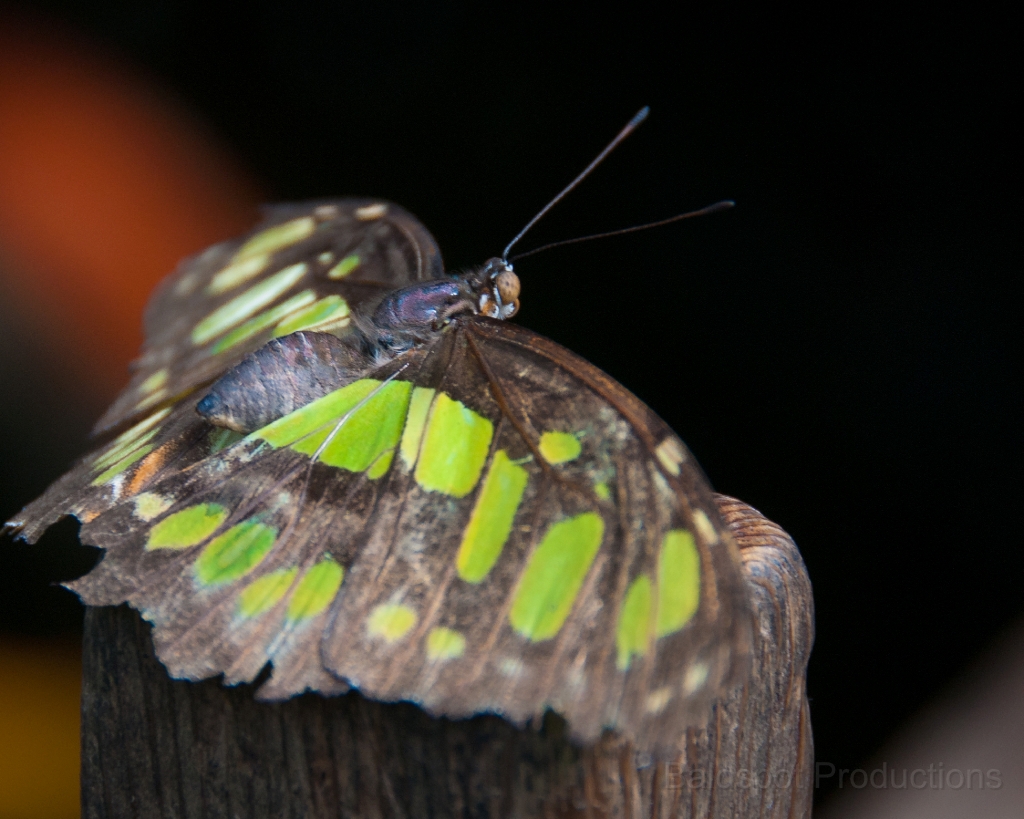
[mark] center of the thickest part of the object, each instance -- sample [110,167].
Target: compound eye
[507,285]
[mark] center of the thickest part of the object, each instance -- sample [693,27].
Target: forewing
[486,524]
[549,543]
[306,266]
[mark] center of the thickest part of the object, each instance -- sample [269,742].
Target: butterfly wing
[500,528]
[552,544]
[306,266]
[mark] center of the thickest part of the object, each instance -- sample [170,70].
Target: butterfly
[338,460]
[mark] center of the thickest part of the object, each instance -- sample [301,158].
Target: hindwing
[306,266]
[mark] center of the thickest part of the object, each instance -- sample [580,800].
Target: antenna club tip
[641,115]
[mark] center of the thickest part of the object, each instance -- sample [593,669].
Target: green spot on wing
[559,447]
[491,522]
[265,592]
[235,553]
[236,273]
[633,631]
[367,433]
[143,426]
[123,464]
[316,590]
[344,267]
[554,575]
[445,644]
[328,312]
[602,491]
[247,303]
[150,505]
[678,581]
[381,465]
[117,453]
[390,621]
[273,239]
[455,447]
[155,381]
[415,423]
[188,527]
[268,318]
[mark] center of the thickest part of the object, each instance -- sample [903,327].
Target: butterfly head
[497,289]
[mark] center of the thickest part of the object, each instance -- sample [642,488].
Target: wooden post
[157,747]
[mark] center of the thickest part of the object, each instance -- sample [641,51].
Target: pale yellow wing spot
[704,527]
[670,454]
[658,699]
[368,213]
[696,676]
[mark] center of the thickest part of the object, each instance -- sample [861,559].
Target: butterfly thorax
[290,372]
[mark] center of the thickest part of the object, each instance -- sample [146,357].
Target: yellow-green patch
[554,575]
[602,491]
[144,425]
[316,590]
[678,581]
[390,621]
[415,422]
[380,467]
[368,431]
[247,304]
[455,448]
[633,631]
[559,447]
[235,553]
[445,644]
[329,312]
[152,399]
[119,467]
[268,318]
[117,453]
[265,592]
[273,239]
[491,522]
[155,381]
[344,267]
[188,527]
[236,273]
[149,505]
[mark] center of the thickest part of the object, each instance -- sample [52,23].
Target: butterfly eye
[507,284]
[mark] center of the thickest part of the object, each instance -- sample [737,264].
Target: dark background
[837,350]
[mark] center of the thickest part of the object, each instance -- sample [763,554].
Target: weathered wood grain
[156,747]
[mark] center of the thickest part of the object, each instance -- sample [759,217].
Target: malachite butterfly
[335,458]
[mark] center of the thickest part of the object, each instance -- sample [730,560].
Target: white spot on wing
[658,699]
[368,213]
[670,454]
[696,676]
[704,527]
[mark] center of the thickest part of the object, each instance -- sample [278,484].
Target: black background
[837,350]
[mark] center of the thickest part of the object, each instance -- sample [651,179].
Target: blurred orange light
[104,186]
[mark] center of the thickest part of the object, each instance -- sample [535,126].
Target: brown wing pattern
[307,265]
[529,387]
[489,531]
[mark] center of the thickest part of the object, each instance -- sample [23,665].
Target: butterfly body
[355,470]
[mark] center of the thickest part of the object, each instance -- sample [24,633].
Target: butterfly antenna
[641,115]
[715,208]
